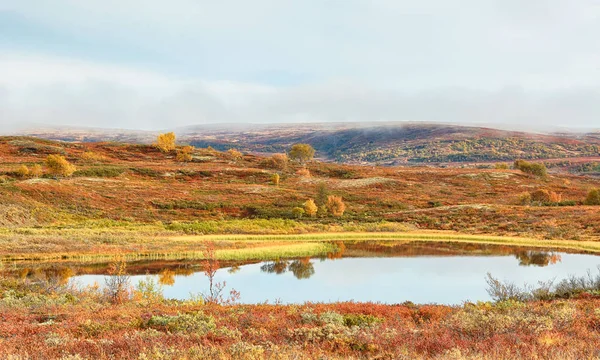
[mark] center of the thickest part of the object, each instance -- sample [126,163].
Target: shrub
[322,193]
[361,320]
[100,171]
[335,205]
[165,142]
[280,161]
[36,171]
[298,212]
[593,197]
[310,208]
[331,318]
[23,171]
[501,166]
[118,287]
[58,165]
[149,290]
[322,212]
[543,196]
[185,154]
[304,172]
[275,179]
[197,323]
[537,169]
[91,156]
[234,154]
[302,152]
[525,198]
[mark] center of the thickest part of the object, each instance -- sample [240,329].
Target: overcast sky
[150,64]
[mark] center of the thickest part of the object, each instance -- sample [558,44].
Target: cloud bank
[156,65]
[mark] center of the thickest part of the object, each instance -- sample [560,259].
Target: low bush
[187,204]
[537,169]
[197,323]
[100,171]
[593,197]
[146,172]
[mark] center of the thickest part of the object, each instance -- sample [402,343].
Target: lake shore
[147,242]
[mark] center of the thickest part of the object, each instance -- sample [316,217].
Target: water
[394,273]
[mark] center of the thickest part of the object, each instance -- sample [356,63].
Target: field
[136,187]
[134,202]
[61,327]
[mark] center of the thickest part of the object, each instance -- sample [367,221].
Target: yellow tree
[59,166]
[23,171]
[165,142]
[310,208]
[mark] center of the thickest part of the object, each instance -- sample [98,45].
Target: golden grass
[96,245]
[436,236]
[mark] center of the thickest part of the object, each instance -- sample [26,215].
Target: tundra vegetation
[134,201]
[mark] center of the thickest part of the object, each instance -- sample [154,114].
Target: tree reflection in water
[166,277]
[537,258]
[302,269]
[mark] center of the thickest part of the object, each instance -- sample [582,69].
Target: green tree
[302,152]
[298,212]
[322,194]
[593,197]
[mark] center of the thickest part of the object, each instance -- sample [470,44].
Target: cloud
[67,92]
[407,45]
[154,64]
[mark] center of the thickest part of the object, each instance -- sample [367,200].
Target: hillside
[137,184]
[386,144]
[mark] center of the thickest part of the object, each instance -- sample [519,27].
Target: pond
[386,272]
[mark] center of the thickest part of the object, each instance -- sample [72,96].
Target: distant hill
[395,143]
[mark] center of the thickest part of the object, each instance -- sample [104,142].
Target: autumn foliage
[310,208]
[336,205]
[165,142]
[59,166]
[185,154]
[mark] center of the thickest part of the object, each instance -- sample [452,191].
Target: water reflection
[168,272]
[302,269]
[537,258]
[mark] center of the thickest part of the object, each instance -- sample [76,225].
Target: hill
[385,144]
[119,184]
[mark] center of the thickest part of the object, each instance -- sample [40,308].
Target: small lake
[386,272]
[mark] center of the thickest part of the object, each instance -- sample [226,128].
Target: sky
[150,64]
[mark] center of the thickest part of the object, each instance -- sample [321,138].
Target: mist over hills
[367,143]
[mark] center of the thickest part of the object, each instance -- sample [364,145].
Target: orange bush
[335,205]
[185,154]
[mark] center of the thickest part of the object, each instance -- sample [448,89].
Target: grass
[436,236]
[276,252]
[154,242]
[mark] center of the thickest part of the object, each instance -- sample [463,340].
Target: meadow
[119,202]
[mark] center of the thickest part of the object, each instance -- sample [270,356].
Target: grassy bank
[155,242]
